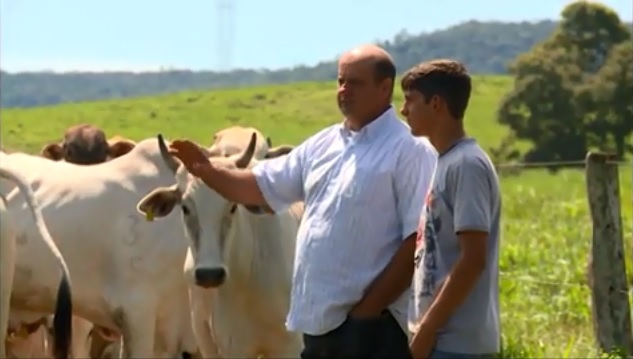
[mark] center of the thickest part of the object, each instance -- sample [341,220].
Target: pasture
[546,231]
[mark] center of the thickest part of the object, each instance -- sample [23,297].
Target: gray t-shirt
[465,196]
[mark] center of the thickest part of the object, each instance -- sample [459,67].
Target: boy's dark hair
[445,78]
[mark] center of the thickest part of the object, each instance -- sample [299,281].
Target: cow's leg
[7,269]
[116,349]
[111,350]
[81,332]
[99,344]
[200,300]
[138,325]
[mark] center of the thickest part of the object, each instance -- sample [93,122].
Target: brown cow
[86,144]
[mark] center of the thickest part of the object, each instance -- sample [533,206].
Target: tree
[569,91]
[611,100]
[592,29]
[542,106]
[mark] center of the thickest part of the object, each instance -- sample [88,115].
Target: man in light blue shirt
[363,182]
[455,307]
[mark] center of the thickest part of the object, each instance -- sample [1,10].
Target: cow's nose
[209,277]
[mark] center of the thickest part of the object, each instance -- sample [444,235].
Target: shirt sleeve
[472,196]
[414,176]
[281,179]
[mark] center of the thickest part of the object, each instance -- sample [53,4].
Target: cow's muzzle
[209,277]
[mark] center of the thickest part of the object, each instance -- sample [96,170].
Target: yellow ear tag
[149,215]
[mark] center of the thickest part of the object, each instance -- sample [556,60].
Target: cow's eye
[185,210]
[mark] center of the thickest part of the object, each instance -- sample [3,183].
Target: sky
[148,35]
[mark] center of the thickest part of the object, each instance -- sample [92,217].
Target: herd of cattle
[109,248]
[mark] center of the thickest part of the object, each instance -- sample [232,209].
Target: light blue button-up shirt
[364,194]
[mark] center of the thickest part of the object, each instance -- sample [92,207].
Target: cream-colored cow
[9,232]
[127,274]
[233,140]
[82,144]
[240,264]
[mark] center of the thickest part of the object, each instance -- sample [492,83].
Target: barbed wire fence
[606,276]
[563,164]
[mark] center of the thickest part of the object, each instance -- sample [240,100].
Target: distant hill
[485,47]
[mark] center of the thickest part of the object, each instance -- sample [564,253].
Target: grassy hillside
[288,113]
[546,231]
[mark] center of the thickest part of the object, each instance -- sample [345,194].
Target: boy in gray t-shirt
[454,312]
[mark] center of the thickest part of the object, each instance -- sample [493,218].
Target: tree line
[573,91]
[485,47]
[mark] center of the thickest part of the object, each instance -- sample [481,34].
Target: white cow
[233,140]
[240,262]
[127,274]
[9,234]
[32,341]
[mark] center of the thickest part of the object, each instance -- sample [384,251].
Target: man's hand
[191,156]
[423,342]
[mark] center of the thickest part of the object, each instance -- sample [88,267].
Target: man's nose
[209,277]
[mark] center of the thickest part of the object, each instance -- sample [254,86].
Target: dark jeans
[372,338]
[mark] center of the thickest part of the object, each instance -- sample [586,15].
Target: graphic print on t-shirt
[419,238]
[428,255]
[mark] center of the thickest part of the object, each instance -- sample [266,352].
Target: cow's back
[91,214]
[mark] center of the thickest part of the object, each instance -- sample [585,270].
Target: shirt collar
[374,128]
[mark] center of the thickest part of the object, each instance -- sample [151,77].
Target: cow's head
[233,140]
[86,145]
[207,216]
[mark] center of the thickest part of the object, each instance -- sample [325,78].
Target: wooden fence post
[609,292]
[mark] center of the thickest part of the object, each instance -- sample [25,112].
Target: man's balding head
[366,76]
[382,62]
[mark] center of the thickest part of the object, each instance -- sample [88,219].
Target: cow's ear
[120,148]
[160,202]
[53,151]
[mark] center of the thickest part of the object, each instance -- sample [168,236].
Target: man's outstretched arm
[275,183]
[236,185]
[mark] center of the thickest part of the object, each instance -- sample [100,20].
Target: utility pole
[225,36]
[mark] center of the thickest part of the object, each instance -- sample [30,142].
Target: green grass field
[546,231]
[287,113]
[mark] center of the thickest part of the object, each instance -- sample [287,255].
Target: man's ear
[160,202]
[53,151]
